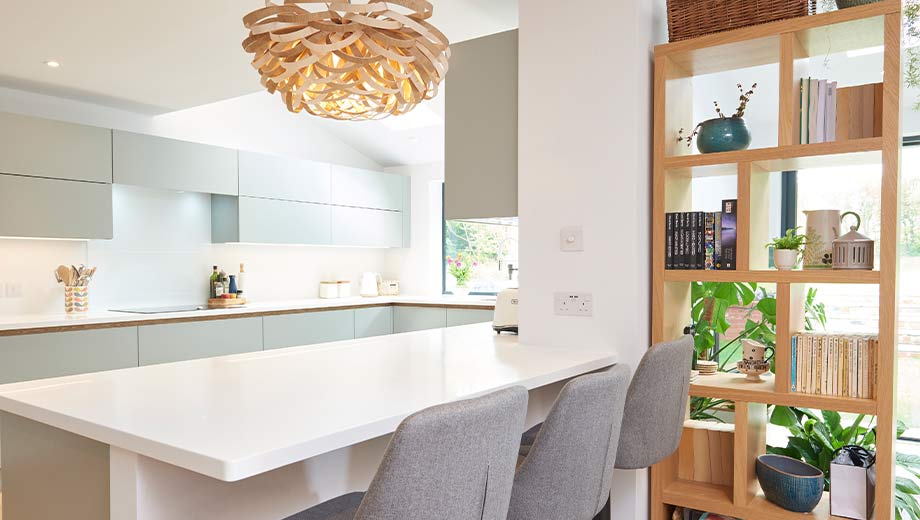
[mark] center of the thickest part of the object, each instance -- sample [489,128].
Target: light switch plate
[571,238]
[573,304]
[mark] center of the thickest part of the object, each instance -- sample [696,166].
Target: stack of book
[817,110]
[827,113]
[835,365]
[701,240]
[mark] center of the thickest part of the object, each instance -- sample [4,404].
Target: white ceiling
[157,57]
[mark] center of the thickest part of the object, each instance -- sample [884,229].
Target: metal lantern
[854,251]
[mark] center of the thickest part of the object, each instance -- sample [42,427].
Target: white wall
[419,268]
[161,251]
[584,159]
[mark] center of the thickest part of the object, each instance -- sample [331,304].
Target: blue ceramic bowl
[723,134]
[790,483]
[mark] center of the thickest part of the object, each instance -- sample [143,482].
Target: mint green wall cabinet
[38,356]
[367,188]
[199,339]
[373,321]
[408,319]
[468,316]
[308,328]
[366,227]
[157,162]
[52,208]
[269,221]
[285,178]
[47,148]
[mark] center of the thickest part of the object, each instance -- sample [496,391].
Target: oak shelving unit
[779,43]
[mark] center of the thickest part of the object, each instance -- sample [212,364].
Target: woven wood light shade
[347,60]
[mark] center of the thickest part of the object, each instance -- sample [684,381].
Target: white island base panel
[250,436]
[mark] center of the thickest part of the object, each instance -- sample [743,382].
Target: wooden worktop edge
[253,314]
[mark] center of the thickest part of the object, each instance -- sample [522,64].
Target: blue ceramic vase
[790,483]
[723,134]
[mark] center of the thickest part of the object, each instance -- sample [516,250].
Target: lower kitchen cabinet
[468,316]
[408,319]
[373,321]
[292,330]
[199,339]
[38,356]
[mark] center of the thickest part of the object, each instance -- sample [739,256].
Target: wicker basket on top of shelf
[692,18]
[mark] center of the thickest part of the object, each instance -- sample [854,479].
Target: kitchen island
[249,436]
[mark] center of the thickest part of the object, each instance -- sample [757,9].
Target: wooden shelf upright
[781,43]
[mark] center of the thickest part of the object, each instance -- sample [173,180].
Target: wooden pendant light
[348,60]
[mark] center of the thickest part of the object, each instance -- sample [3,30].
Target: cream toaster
[506,312]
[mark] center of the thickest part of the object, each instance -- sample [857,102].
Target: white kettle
[370,284]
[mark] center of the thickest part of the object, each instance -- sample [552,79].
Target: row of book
[835,365]
[827,113]
[702,240]
[817,111]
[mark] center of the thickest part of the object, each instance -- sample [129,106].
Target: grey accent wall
[481,128]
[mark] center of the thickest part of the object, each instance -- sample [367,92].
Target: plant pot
[461,291]
[785,259]
[723,134]
[843,4]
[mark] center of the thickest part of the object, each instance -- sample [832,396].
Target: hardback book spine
[682,239]
[830,119]
[821,112]
[710,261]
[669,241]
[794,373]
[717,232]
[812,111]
[691,240]
[729,233]
[803,111]
[700,238]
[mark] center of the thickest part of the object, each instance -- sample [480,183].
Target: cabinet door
[51,208]
[366,227]
[468,316]
[366,188]
[407,319]
[46,148]
[157,162]
[273,177]
[37,356]
[268,221]
[198,339]
[308,328]
[373,321]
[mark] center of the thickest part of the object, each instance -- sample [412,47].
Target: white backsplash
[161,255]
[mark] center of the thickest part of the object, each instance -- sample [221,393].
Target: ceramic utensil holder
[76,299]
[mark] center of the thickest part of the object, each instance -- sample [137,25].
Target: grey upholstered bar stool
[566,473]
[454,461]
[656,402]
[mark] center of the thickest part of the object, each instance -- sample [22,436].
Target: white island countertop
[26,323]
[237,416]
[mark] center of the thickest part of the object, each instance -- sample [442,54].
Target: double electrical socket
[573,304]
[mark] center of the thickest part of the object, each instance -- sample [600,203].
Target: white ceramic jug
[822,227]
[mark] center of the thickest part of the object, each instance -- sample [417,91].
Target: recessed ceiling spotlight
[53,64]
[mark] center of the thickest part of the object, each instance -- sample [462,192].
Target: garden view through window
[479,258]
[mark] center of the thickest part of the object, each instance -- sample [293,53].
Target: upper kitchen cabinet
[366,227]
[269,221]
[157,162]
[368,189]
[53,208]
[285,178]
[46,148]
[481,129]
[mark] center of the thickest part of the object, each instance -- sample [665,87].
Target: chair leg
[605,513]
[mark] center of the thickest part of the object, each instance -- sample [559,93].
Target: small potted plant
[787,249]
[722,134]
[461,269]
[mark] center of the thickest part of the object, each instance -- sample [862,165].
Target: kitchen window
[482,255]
